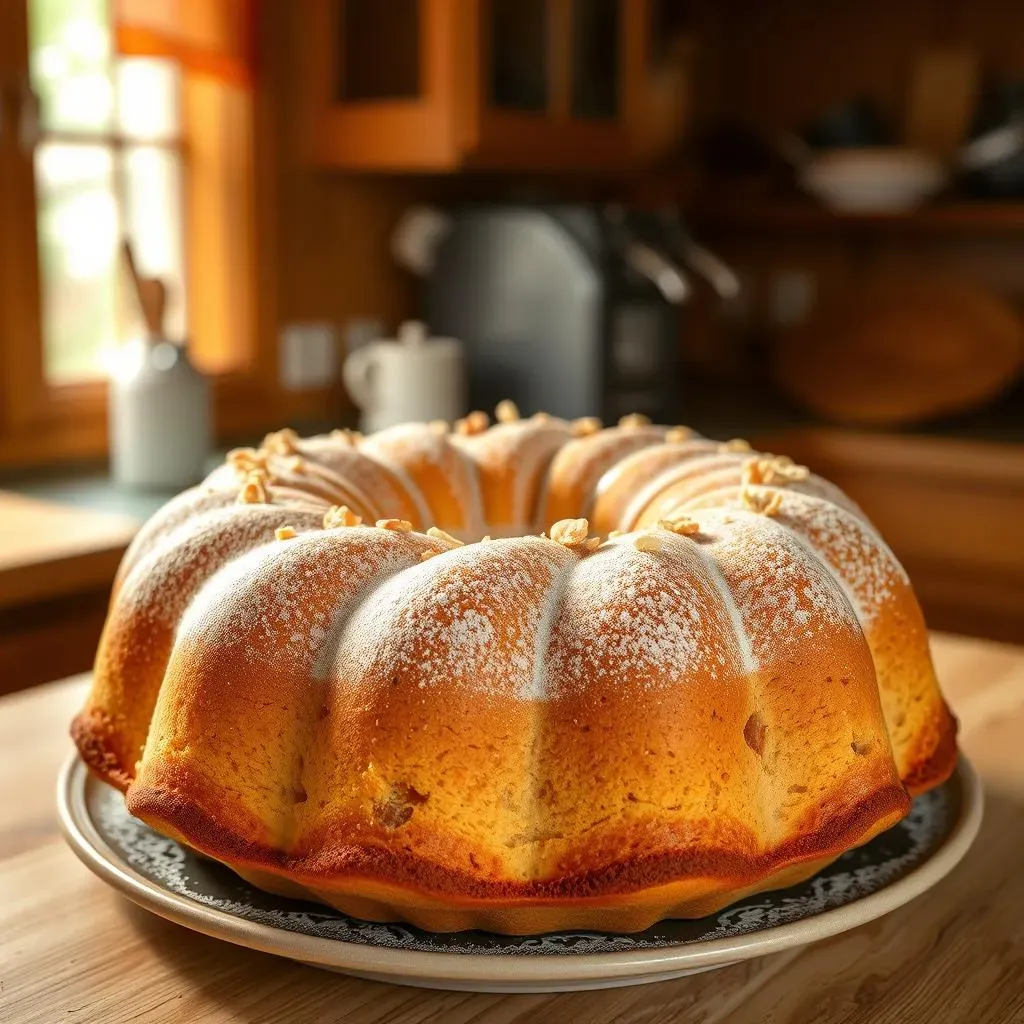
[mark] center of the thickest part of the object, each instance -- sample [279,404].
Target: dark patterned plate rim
[177,884]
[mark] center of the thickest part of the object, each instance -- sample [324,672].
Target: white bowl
[882,180]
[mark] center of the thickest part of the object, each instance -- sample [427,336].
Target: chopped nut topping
[506,411]
[475,423]
[439,427]
[764,502]
[297,464]
[570,531]
[254,491]
[635,419]
[612,534]
[344,436]
[439,534]
[737,444]
[245,460]
[398,525]
[285,533]
[676,434]
[773,469]
[485,538]
[574,533]
[428,554]
[341,515]
[542,417]
[678,523]
[283,442]
[585,426]
[647,542]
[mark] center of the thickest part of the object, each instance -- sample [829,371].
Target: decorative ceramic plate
[177,884]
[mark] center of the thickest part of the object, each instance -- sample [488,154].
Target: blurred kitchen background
[798,222]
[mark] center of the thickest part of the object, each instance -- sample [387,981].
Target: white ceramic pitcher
[412,378]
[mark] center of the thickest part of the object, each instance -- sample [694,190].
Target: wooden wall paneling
[782,63]
[776,65]
[559,58]
[221,218]
[995,28]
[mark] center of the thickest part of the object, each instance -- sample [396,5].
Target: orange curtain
[209,37]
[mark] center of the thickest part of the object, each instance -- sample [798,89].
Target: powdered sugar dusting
[783,592]
[286,597]
[640,618]
[160,586]
[852,548]
[748,661]
[468,618]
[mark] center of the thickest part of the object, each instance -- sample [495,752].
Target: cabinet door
[381,83]
[497,84]
[556,82]
[596,84]
[518,47]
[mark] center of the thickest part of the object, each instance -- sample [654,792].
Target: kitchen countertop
[71,949]
[49,549]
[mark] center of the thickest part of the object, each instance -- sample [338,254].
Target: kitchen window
[121,119]
[109,164]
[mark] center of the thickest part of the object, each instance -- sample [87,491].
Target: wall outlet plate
[308,356]
[792,297]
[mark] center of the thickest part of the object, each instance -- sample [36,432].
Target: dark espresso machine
[570,309]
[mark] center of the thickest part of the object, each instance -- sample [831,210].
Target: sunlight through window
[109,164]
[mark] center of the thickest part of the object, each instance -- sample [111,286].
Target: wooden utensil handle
[151,293]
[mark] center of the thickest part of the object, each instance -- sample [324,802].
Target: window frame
[117,145]
[46,423]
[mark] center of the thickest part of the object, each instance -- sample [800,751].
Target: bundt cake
[708,677]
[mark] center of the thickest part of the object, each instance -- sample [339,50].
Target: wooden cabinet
[439,85]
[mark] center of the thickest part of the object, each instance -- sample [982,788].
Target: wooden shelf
[796,215]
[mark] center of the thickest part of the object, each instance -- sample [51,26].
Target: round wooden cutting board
[900,349]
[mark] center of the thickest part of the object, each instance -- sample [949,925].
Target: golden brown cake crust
[521,734]
[337,868]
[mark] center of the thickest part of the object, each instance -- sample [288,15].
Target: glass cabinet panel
[519,54]
[378,50]
[595,58]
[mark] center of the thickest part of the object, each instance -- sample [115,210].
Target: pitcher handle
[357,373]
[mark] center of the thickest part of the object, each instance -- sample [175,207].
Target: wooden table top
[47,550]
[73,950]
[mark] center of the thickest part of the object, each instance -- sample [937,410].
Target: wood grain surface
[73,950]
[48,550]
